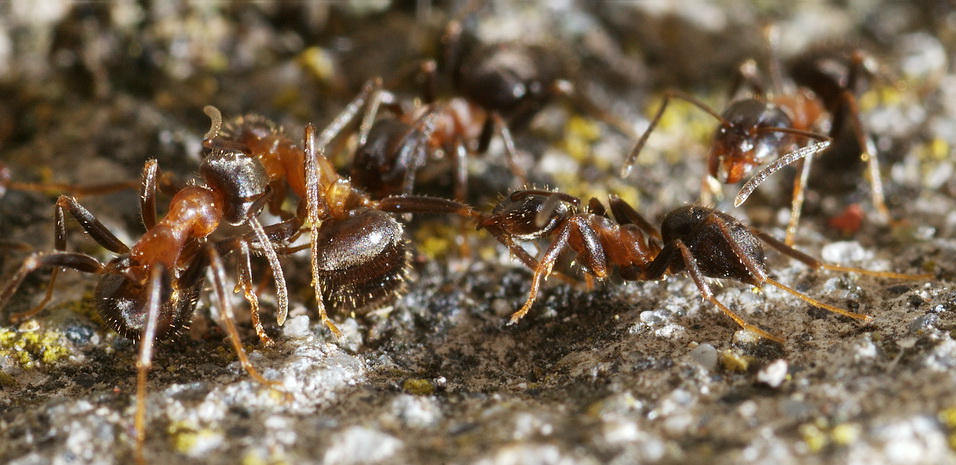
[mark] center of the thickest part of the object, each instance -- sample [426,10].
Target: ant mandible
[700,241]
[755,130]
[359,254]
[148,292]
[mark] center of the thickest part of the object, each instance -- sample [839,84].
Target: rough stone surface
[623,373]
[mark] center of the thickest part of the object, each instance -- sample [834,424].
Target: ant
[359,256]
[148,292]
[497,88]
[700,241]
[754,130]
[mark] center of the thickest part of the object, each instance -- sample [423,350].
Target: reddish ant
[700,241]
[359,254]
[148,292]
[754,130]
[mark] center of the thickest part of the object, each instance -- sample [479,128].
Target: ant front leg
[96,230]
[592,254]
[244,283]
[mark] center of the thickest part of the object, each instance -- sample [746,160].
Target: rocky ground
[625,373]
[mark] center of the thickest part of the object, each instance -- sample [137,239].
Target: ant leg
[817,264]
[511,153]
[668,255]
[461,193]
[592,254]
[147,205]
[244,283]
[316,206]
[35,261]
[586,105]
[282,294]
[624,213]
[218,277]
[91,225]
[145,359]
[97,230]
[632,157]
[796,205]
[850,109]
[761,276]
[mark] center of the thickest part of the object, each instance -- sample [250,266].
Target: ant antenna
[216,124]
[777,164]
[632,157]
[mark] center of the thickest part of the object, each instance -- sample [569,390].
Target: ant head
[509,77]
[746,138]
[240,179]
[528,215]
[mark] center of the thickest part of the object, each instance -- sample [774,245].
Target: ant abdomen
[716,256]
[393,148]
[363,260]
[122,303]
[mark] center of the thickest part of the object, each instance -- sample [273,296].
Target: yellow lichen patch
[845,433]
[437,240]
[34,347]
[418,387]
[820,434]
[322,66]
[732,361]
[948,418]
[188,439]
[579,134]
[814,435]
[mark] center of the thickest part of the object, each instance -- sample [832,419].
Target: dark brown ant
[700,241]
[359,254]
[148,292]
[756,130]
[496,88]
